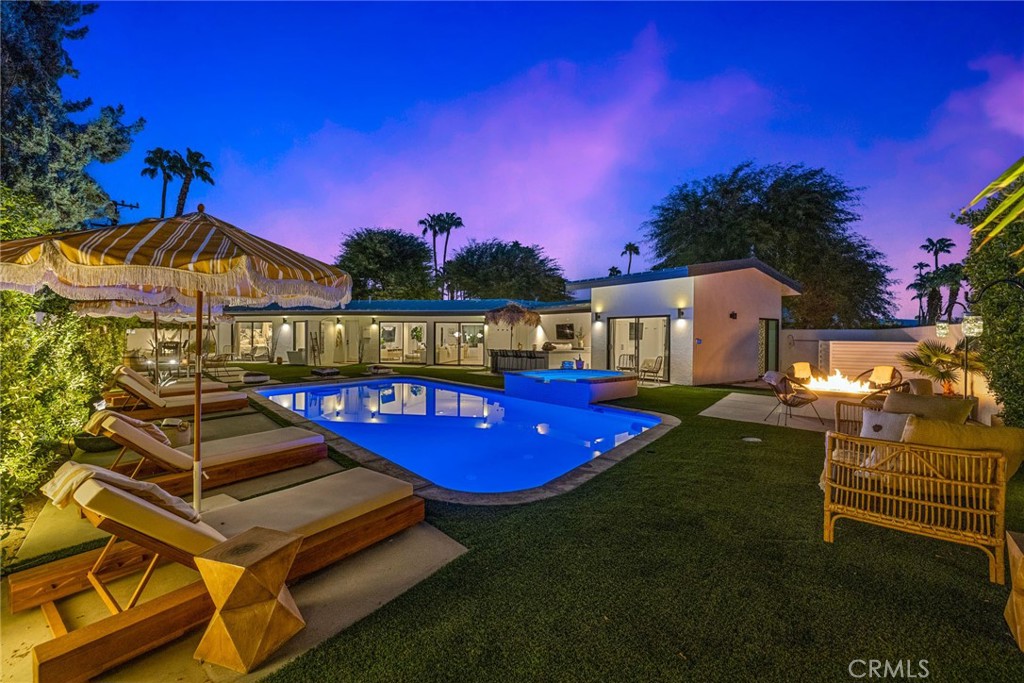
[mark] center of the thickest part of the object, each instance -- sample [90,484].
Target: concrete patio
[743,407]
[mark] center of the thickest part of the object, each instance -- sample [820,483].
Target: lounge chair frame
[138,405]
[86,652]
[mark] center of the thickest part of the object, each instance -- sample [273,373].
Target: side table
[255,614]
[1014,612]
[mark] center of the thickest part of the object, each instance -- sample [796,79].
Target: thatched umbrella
[512,314]
[185,258]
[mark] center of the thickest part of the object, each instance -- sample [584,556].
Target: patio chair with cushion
[148,405]
[182,389]
[651,368]
[334,516]
[790,394]
[881,377]
[626,362]
[224,460]
[802,371]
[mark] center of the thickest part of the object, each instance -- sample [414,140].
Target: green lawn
[699,558]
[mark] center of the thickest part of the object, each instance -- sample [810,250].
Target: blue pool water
[571,375]
[462,438]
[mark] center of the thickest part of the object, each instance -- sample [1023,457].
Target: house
[709,323]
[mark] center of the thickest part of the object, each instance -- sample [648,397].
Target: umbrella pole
[156,352]
[197,428]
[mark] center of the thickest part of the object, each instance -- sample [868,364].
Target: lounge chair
[224,460]
[651,368]
[147,405]
[336,516]
[178,389]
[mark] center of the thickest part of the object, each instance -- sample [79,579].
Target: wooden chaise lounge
[224,460]
[337,516]
[177,389]
[147,405]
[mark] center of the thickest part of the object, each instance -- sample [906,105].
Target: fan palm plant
[192,166]
[940,363]
[160,161]
[1010,206]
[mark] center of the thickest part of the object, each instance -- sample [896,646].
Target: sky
[557,124]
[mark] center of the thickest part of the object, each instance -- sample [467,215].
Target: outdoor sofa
[915,466]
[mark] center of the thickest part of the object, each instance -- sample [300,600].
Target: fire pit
[838,383]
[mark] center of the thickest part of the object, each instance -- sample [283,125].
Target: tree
[919,267]
[943,245]
[1009,207]
[192,166]
[160,161]
[951,276]
[920,289]
[631,250]
[431,225]
[45,153]
[387,264]
[440,224]
[796,219]
[1002,307]
[614,271]
[505,270]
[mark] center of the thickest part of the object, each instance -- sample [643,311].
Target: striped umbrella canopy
[170,310]
[185,259]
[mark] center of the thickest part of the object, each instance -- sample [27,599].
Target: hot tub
[571,387]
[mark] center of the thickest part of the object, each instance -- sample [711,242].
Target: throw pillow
[882,425]
[1007,440]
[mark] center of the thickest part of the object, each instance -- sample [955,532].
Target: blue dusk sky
[557,124]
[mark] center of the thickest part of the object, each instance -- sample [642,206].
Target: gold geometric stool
[1014,612]
[255,614]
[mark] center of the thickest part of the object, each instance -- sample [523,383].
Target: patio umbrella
[185,258]
[512,314]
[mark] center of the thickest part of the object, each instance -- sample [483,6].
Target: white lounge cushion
[217,452]
[177,389]
[313,506]
[232,449]
[108,501]
[133,386]
[190,400]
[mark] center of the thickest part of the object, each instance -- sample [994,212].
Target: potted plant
[938,362]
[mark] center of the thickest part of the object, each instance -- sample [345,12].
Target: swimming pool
[464,438]
[571,387]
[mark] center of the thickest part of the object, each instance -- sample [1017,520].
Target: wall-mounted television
[565,331]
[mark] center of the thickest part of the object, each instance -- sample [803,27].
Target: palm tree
[193,166]
[160,161]
[951,276]
[943,245]
[431,225]
[448,221]
[920,267]
[614,271]
[933,300]
[631,250]
[920,288]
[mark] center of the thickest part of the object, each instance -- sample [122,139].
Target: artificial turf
[698,558]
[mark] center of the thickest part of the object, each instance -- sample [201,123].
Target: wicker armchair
[951,495]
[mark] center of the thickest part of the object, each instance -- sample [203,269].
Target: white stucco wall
[642,299]
[728,348]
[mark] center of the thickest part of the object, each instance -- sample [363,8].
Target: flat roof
[687,271]
[423,307]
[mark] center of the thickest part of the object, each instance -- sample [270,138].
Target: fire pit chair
[790,394]
[802,371]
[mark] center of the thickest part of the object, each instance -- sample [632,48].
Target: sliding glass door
[403,342]
[640,345]
[459,344]
[253,340]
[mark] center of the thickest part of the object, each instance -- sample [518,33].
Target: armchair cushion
[1007,440]
[955,410]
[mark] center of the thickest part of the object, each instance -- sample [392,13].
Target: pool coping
[428,489]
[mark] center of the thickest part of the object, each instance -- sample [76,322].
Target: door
[640,345]
[768,345]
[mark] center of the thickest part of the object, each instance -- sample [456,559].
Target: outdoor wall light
[972,326]
[941,329]
[285,319]
[733,315]
[373,321]
[681,312]
[597,317]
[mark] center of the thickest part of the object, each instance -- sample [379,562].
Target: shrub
[1002,309]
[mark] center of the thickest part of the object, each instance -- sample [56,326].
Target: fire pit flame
[839,383]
